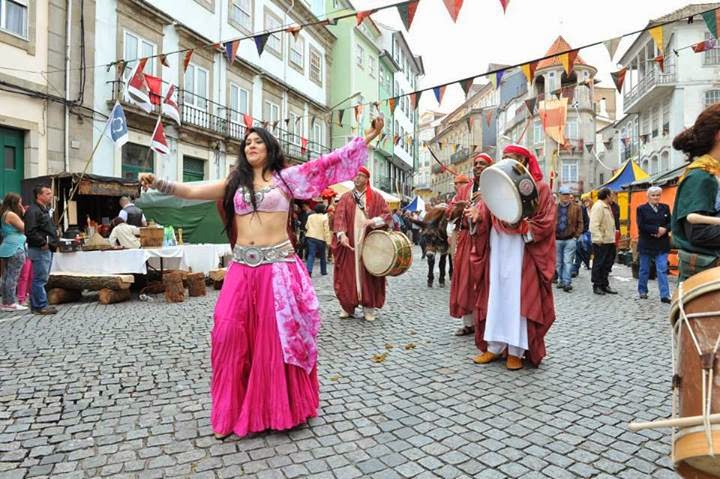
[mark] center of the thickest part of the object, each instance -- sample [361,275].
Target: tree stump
[110,296]
[174,289]
[217,285]
[94,282]
[217,276]
[62,295]
[155,287]
[196,284]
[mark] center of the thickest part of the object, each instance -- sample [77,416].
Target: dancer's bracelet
[166,187]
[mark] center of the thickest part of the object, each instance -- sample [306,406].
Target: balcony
[460,155]
[206,116]
[650,86]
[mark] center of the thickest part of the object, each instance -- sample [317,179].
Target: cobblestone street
[122,391]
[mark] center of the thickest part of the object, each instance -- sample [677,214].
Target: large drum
[695,315]
[386,253]
[509,191]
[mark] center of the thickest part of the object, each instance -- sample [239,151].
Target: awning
[628,173]
[345,186]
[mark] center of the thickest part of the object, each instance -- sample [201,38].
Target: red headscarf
[532,166]
[485,157]
[461,179]
[368,191]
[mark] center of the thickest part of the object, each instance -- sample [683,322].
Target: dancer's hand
[147,180]
[376,127]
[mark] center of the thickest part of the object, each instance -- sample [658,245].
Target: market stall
[392,201]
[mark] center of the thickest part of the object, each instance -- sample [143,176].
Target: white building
[429,121]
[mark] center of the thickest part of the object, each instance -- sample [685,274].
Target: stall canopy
[199,219]
[660,179]
[628,173]
[417,204]
[392,201]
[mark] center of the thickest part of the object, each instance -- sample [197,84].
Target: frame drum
[386,253]
[509,191]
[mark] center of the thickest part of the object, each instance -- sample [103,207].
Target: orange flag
[361,16]
[568,60]
[453,7]
[657,35]
[392,103]
[553,114]
[529,70]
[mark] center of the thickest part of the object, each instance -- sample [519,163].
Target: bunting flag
[657,35]
[116,128]
[155,89]
[396,139]
[358,112]
[470,121]
[170,105]
[440,145]
[295,30]
[711,20]
[612,46]
[186,59]
[287,122]
[488,117]
[607,144]
[568,60]
[120,66]
[466,85]
[303,145]
[159,142]
[529,70]
[137,90]
[530,103]
[247,120]
[453,147]
[275,124]
[497,78]
[504,4]
[708,44]
[407,13]
[265,124]
[329,21]
[260,42]
[361,16]
[453,8]
[341,113]
[392,103]
[553,114]
[619,78]
[589,147]
[163,60]
[231,50]
[439,93]
[660,60]
[415,99]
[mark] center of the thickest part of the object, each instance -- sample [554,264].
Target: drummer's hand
[147,180]
[461,205]
[476,196]
[344,241]
[473,214]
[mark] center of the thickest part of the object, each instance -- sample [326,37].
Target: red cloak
[373,287]
[536,302]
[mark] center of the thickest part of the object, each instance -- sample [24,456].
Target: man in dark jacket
[131,214]
[583,248]
[653,220]
[42,240]
[568,228]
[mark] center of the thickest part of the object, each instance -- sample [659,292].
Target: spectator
[317,237]
[602,233]
[397,220]
[42,241]
[12,250]
[124,234]
[568,228]
[130,213]
[415,229]
[583,251]
[653,220]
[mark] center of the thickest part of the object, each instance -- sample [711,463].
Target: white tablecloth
[199,258]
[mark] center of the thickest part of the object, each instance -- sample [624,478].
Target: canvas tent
[628,173]
[392,201]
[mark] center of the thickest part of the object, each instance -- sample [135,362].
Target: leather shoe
[486,357]
[513,363]
[609,290]
[598,290]
[643,296]
[666,300]
[345,315]
[567,288]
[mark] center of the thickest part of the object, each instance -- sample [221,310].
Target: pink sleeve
[310,179]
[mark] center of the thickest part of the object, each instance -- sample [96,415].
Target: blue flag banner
[117,129]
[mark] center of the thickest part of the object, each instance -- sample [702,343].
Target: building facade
[423,181]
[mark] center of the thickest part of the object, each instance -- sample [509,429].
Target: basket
[151,237]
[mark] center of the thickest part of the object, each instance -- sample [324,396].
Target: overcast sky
[484,35]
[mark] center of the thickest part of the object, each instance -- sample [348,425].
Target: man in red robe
[519,308]
[358,212]
[469,259]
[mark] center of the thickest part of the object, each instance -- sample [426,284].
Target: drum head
[500,195]
[378,253]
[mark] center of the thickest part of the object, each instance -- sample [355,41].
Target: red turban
[485,157]
[532,163]
[461,179]
[368,191]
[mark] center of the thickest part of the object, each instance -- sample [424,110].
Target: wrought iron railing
[652,78]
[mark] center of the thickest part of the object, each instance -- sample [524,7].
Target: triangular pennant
[568,60]
[453,8]
[295,30]
[287,122]
[440,145]
[275,124]
[137,90]
[657,35]
[660,60]
[530,103]
[361,16]
[589,147]
[619,78]
[504,4]
[303,145]
[415,99]
[261,41]
[163,60]
[341,113]
[170,105]
[529,70]
[407,13]
[121,65]
[612,46]
[466,85]
[186,59]
[231,50]
[159,142]
[470,121]
[392,103]
[691,20]
[488,117]
[439,93]
[265,124]
[711,20]
[708,44]
[396,139]
[247,120]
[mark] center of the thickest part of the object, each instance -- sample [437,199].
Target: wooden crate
[151,237]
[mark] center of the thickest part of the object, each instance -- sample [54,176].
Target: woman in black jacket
[653,219]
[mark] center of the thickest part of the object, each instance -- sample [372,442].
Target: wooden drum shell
[509,191]
[386,253]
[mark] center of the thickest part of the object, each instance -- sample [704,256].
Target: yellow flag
[529,70]
[657,34]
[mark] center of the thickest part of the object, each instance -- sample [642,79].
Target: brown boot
[514,363]
[486,357]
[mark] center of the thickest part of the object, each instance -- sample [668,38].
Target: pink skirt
[253,388]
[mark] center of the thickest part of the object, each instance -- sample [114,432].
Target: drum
[509,191]
[386,253]
[695,314]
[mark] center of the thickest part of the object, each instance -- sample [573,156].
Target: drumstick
[677,422]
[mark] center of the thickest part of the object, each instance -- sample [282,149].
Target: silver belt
[258,255]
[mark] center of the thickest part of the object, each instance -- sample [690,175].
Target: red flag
[361,16]
[392,103]
[137,90]
[407,13]
[619,78]
[396,139]
[186,59]
[660,60]
[247,119]
[295,30]
[415,99]
[164,60]
[453,8]
[155,86]
[159,143]
[303,145]
[170,106]
[504,4]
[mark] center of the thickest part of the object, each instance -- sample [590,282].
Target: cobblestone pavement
[122,391]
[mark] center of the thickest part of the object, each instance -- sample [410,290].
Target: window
[295,128]
[654,163]
[196,87]
[316,66]
[14,17]
[537,131]
[359,54]
[239,102]
[665,161]
[666,116]
[241,13]
[712,56]
[570,171]
[655,120]
[136,159]
[193,169]
[317,133]
[274,43]
[271,111]
[297,51]
[372,66]
[712,97]
[645,123]
[137,47]
[571,130]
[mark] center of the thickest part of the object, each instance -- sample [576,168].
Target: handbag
[693,263]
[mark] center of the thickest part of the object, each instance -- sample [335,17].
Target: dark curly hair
[699,139]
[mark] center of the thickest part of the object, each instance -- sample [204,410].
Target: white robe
[504,323]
